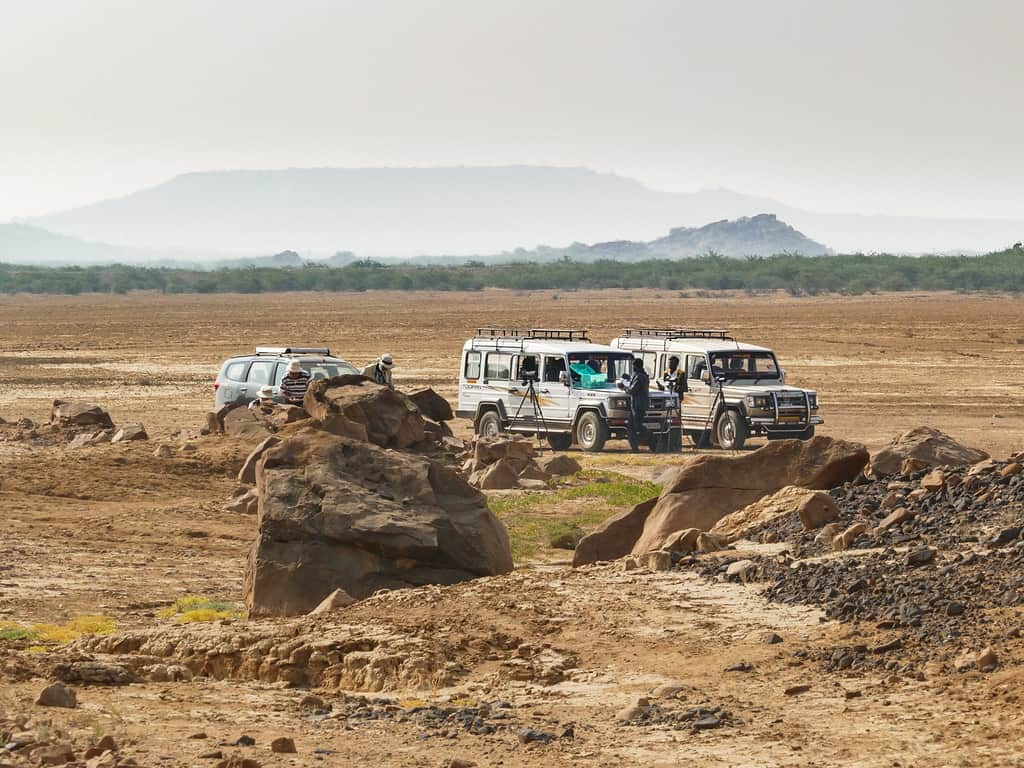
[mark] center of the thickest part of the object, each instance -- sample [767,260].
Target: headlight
[620,403]
[758,401]
[812,398]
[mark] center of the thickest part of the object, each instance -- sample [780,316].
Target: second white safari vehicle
[556,384]
[733,390]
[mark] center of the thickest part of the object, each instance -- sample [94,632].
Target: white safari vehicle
[732,390]
[556,384]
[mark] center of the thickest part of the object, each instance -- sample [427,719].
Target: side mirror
[563,377]
[705,376]
[782,375]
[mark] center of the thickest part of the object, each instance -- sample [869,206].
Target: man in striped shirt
[294,384]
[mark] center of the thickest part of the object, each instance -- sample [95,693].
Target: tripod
[705,438]
[538,413]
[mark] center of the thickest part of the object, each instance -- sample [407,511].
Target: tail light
[216,383]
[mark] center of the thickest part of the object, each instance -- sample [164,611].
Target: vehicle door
[554,391]
[697,401]
[497,381]
[233,387]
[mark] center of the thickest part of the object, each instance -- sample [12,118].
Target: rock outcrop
[432,405]
[615,537]
[339,513]
[66,413]
[921,448]
[353,406]
[707,488]
[504,463]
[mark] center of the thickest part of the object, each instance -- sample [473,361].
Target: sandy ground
[114,530]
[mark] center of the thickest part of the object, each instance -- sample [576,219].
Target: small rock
[199,735]
[918,557]
[1011,469]
[237,761]
[528,735]
[953,608]
[130,432]
[310,701]
[795,690]
[283,746]
[58,695]
[163,451]
[741,570]
[934,480]
[458,762]
[215,755]
[245,741]
[53,754]
[770,638]
[1004,537]
[659,560]
[706,722]
[629,563]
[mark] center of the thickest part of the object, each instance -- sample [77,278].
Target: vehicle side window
[648,360]
[553,366]
[694,365]
[472,365]
[527,367]
[261,372]
[499,366]
[235,371]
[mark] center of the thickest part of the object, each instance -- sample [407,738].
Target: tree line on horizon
[853,274]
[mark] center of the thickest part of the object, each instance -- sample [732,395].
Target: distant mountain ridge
[462,211]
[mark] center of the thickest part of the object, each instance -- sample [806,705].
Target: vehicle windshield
[321,369]
[737,364]
[598,371]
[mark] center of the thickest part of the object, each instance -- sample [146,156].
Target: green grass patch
[534,520]
[195,608]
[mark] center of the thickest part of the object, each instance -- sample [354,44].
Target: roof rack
[551,334]
[292,351]
[679,333]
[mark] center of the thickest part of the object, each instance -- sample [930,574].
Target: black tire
[489,425]
[731,431]
[560,441]
[591,432]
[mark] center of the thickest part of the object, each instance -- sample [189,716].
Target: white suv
[555,383]
[733,390]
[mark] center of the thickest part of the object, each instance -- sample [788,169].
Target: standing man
[672,379]
[639,389]
[380,370]
[294,384]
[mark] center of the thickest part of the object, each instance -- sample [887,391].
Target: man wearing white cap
[380,370]
[294,384]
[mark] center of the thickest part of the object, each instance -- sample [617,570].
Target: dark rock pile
[933,558]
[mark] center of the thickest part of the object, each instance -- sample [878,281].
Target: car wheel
[489,425]
[559,441]
[731,431]
[591,432]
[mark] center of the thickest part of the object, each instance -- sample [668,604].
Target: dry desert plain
[115,531]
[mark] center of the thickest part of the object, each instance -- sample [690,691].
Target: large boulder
[921,448]
[559,464]
[708,487]
[432,405]
[517,450]
[237,420]
[615,537]
[813,508]
[68,413]
[353,405]
[337,513]
[247,474]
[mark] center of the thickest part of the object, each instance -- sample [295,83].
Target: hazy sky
[894,106]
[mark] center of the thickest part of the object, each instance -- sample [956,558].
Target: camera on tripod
[530,377]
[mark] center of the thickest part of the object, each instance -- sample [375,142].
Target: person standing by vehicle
[380,370]
[638,387]
[294,384]
[672,379]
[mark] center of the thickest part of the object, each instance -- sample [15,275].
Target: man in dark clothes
[638,388]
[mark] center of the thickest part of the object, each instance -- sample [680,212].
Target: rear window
[235,371]
[261,372]
[472,365]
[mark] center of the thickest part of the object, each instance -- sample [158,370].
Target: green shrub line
[852,274]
